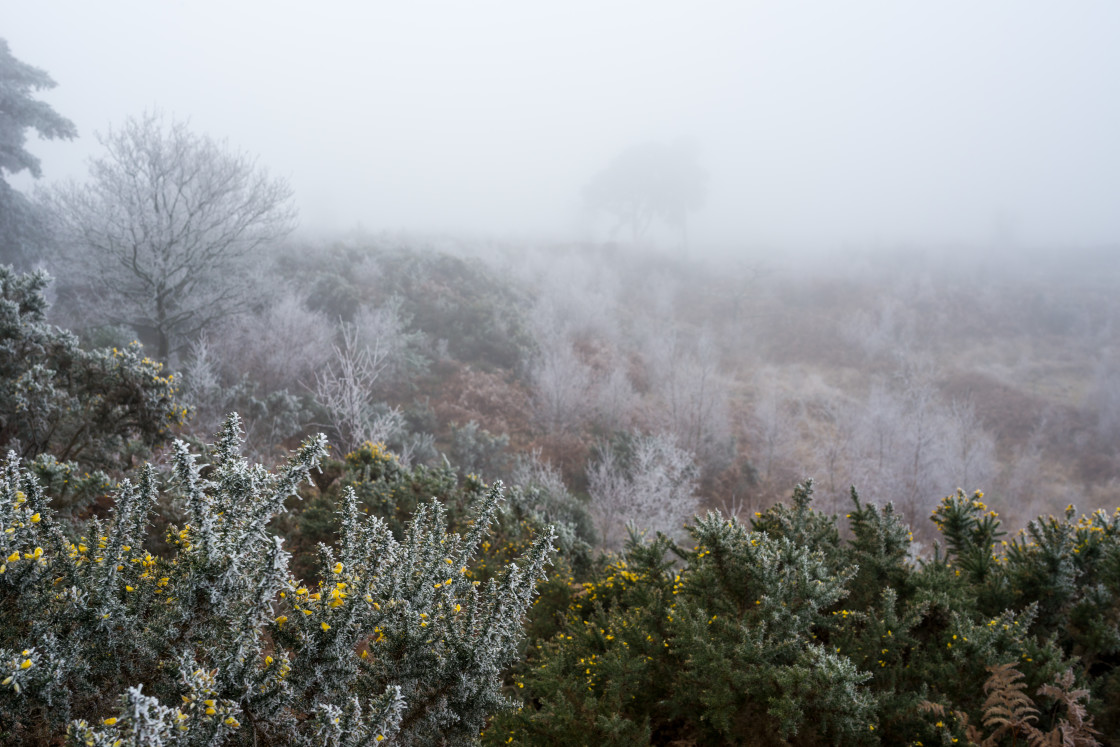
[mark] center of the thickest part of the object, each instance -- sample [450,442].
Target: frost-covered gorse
[215,642]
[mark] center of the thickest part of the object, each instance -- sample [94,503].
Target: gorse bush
[216,642]
[95,408]
[386,488]
[787,631]
[721,650]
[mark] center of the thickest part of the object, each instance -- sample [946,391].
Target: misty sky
[820,123]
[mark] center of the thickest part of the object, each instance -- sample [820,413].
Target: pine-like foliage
[216,642]
[970,529]
[720,647]
[787,633]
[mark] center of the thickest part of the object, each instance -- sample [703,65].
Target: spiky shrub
[385,487]
[217,643]
[719,650]
[1068,568]
[77,410]
[788,633]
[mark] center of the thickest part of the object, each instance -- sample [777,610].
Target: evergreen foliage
[22,224]
[790,632]
[216,642]
[75,409]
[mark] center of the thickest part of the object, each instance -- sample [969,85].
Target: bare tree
[690,393]
[385,329]
[832,445]
[163,236]
[345,390]
[1104,397]
[969,451]
[561,384]
[922,468]
[654,486]
[908,446]
[281,346]
[774,422]
[615,398]
[888,330]
[893,450]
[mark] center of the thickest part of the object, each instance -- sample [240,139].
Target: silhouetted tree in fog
[648,182]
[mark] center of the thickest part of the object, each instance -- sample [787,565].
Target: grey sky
[820,123]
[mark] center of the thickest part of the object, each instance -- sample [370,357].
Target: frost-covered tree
[690,393]
[615,398]
[906,443]
[385,328]
[648,480]
[21,221]
[1104,397]
[374,347]
[969,451]
[164,235]
[539,491]
[262,365]
[281,345]
[561,384]
[775,427]
[108,640]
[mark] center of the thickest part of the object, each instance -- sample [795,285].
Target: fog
[496,277]
[820,125]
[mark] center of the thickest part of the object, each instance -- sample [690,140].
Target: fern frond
[1007,707]
[1076,729]
[1007,704]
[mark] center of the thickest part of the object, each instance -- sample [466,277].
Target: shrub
[387,488]
[98,408]
[217,643]
[475,450]
[721,651]
[787,633]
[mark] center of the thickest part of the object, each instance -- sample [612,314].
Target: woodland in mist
[263,487]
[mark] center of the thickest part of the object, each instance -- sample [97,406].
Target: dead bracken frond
[1076,729]
[1012,713]
[1007,707]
